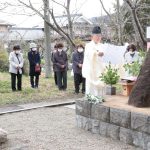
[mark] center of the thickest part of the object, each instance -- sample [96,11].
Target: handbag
[37,68]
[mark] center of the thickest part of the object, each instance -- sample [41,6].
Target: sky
[89,8]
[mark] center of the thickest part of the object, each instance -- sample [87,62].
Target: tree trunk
[140,95]
[141,32]
[119,24]
[47,54]
[136,21]
[70,27]
[137,36]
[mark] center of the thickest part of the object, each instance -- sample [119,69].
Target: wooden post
[127,88]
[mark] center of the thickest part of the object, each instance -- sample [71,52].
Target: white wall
[148,32]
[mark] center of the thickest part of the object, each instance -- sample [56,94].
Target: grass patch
[4,86]
[47,91]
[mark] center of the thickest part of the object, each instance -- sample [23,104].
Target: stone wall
[127,126]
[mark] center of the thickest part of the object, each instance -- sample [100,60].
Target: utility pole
[47,54]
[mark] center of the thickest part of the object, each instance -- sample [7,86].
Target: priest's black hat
[96,30]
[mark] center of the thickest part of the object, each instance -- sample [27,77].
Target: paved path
[52,129]
[29,106]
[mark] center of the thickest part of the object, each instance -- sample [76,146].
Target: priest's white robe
[92,69]
[93,65]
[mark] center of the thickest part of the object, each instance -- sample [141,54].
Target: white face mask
[59,50]
[34,49]
[54,50]
[132,52]
[80,50]
[17,51]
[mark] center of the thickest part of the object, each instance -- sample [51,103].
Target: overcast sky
[89,8]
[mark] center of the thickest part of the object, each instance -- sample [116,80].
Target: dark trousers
[55,77]
[62,80]
[78,79]
[34,80]
[13,81]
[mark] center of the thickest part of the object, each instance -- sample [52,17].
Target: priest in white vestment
[93,65]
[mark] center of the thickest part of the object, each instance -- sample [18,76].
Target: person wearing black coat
[77,60]
[60,61]
[34,62]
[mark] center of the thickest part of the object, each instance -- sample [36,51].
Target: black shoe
[76,92]
[36,86]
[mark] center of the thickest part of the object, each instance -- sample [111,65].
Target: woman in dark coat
[77,60]
[60,61]
[34,63]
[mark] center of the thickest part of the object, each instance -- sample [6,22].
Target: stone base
[128,126]
[110,90]
[3,136]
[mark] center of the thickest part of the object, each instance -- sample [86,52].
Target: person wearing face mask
[77,62]
[60,61]
[15,68]
[34,63]
[132,54]
[93,65]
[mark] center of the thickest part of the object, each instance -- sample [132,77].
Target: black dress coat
[60,58]
[77,58]
[34,58]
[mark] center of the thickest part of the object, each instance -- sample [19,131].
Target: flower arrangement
[94,99]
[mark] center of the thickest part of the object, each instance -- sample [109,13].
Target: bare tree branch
[59,4]
[63,34]
[133,11]
[59,28]
[107,12]
[77,10]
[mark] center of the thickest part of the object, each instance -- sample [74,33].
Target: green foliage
[3,61]
[110,76]
[134,68]
[78,41]
[142,54]
[4,86]
[42,62]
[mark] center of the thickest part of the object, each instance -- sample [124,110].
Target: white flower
[92,96]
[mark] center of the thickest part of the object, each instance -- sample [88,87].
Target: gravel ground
[52,129]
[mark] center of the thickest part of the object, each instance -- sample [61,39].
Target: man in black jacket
[60,61]
[77,60]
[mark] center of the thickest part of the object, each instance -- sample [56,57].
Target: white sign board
[113,54]
[148,33]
